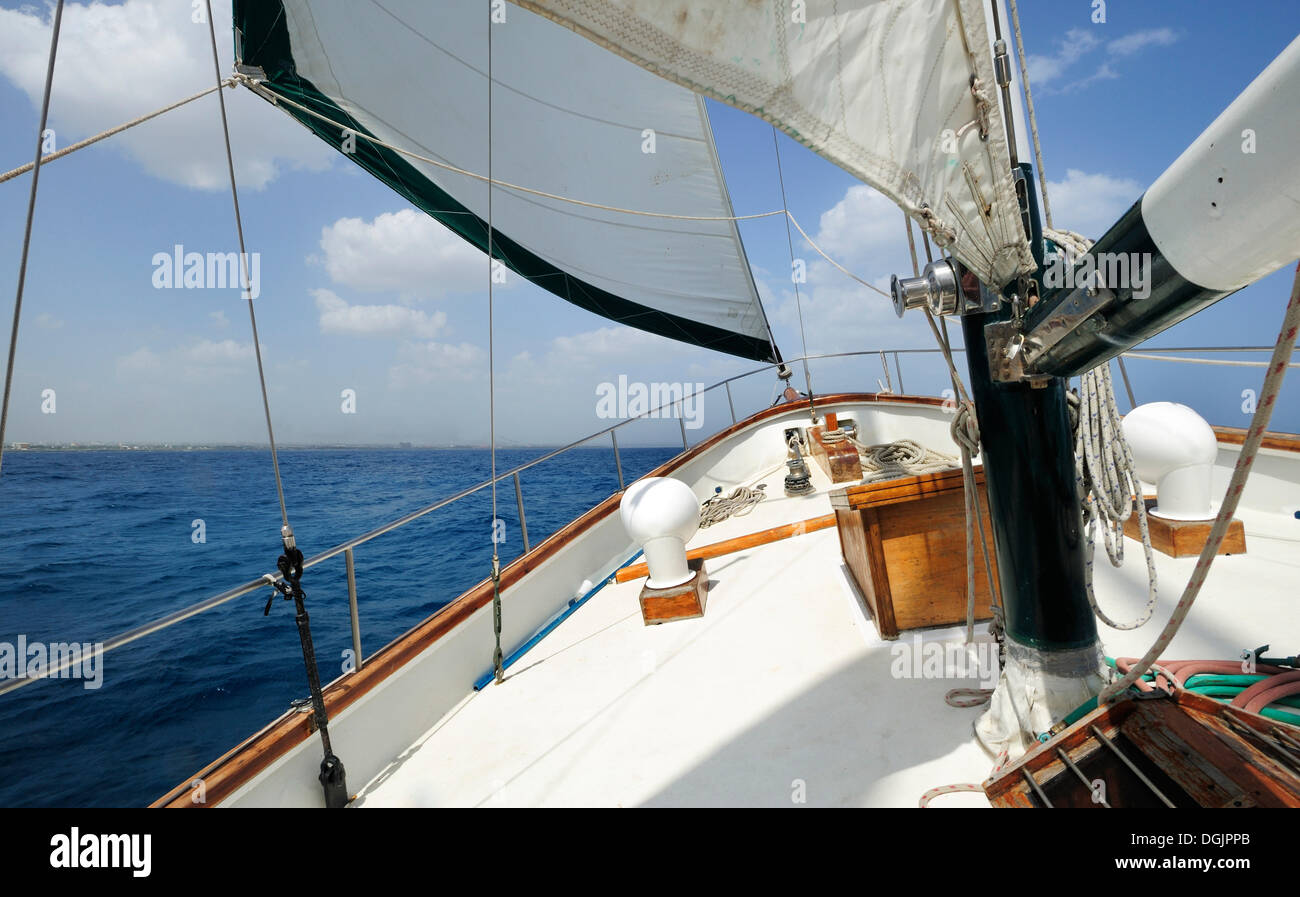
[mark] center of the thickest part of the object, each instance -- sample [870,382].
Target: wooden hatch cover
[1180,750]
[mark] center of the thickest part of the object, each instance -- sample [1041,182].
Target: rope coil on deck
[740,502]
[903,458]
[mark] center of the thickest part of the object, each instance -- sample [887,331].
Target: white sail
[882,88]
[568,118]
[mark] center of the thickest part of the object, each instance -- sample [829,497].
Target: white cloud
[1131,43]
[118,62]
[607,343]
[141,361]
[202,360]
[405,252]
[1078,43]
[1104,72]
[219,319]
[859,226]
[602,354]
[425,362]
[47,321]
[865,233]
[1090,203]
[1046,68]
[336,316]
[225,352]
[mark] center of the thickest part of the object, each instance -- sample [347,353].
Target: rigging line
[911,245]
[947,357]
[789,239]
[243,268]
[27,232]
[1033,119]
[498,671]
[967,470]
[964,432]
[1239,364]
[871,286]
[82,144]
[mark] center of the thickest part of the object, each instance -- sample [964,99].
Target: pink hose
[1256,696]
[1182,670]
[1273,695]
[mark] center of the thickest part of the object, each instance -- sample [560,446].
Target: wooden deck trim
[225,775]
[1283,442]
[739,543]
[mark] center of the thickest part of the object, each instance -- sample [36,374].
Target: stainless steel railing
[346,548]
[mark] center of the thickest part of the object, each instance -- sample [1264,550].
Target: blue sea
[93,543]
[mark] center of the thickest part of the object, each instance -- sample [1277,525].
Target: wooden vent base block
[680,602]
[1184,538]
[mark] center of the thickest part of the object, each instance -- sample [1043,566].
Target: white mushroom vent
[661,514]
[1174,448]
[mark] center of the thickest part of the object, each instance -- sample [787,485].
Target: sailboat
[760,619]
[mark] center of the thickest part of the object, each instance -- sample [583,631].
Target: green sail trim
[262,40]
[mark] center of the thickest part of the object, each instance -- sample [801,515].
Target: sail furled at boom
[569,118]
[899,93]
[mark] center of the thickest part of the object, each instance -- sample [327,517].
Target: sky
[359,292]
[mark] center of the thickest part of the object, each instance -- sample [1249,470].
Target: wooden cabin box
[904,542]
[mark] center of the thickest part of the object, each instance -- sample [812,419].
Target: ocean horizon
[94,543]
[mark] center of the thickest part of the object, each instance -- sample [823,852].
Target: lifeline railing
[346,548]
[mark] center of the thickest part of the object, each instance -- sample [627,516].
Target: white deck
[783,689]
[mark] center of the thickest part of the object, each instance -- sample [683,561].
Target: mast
[1188,242]
[1053,660]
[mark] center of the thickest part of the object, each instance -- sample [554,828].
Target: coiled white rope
[1104,470]
[903,458]
[967,697]
[740,502]
[1108,487]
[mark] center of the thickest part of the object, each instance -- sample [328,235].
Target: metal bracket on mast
[1077,313]
[1006,354]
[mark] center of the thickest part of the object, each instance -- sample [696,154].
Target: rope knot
[983,103]
[931,224]
[965,428]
